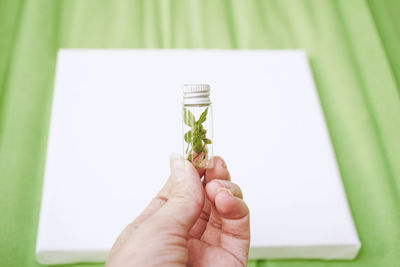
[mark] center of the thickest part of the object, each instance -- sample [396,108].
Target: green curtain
[354,51]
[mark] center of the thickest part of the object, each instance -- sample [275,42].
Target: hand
[188,222]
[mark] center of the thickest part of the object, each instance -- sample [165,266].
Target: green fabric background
[354,51]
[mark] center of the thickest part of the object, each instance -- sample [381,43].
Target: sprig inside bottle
[196,138]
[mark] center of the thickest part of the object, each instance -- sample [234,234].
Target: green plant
[196,137]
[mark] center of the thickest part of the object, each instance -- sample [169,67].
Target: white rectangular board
[116,118]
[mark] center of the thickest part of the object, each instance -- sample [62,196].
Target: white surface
[110,139]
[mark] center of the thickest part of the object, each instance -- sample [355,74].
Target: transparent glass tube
[198,134]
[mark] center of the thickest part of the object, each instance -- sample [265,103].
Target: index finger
[219,170]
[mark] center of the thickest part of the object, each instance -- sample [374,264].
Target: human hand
[188,222]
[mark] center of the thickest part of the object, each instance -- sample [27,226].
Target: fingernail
[177,166]
[223,162]
[175,159]
[225,190]
[222,183]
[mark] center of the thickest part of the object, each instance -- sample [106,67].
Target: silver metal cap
[196,94]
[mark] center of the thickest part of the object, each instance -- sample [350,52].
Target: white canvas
[116,118]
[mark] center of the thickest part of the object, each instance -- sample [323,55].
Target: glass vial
[197,125]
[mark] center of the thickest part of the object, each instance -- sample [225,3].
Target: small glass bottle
[197,125]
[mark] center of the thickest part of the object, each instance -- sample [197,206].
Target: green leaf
[190,158]
[197,145]
[206,141]
[188,137]
[203,116]
[188,117]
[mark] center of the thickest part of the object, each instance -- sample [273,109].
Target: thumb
[186,197]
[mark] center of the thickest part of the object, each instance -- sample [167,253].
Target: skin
[189,222]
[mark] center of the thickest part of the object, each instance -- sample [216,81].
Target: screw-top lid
[196,94]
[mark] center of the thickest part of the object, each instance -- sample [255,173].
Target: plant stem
[187,148]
